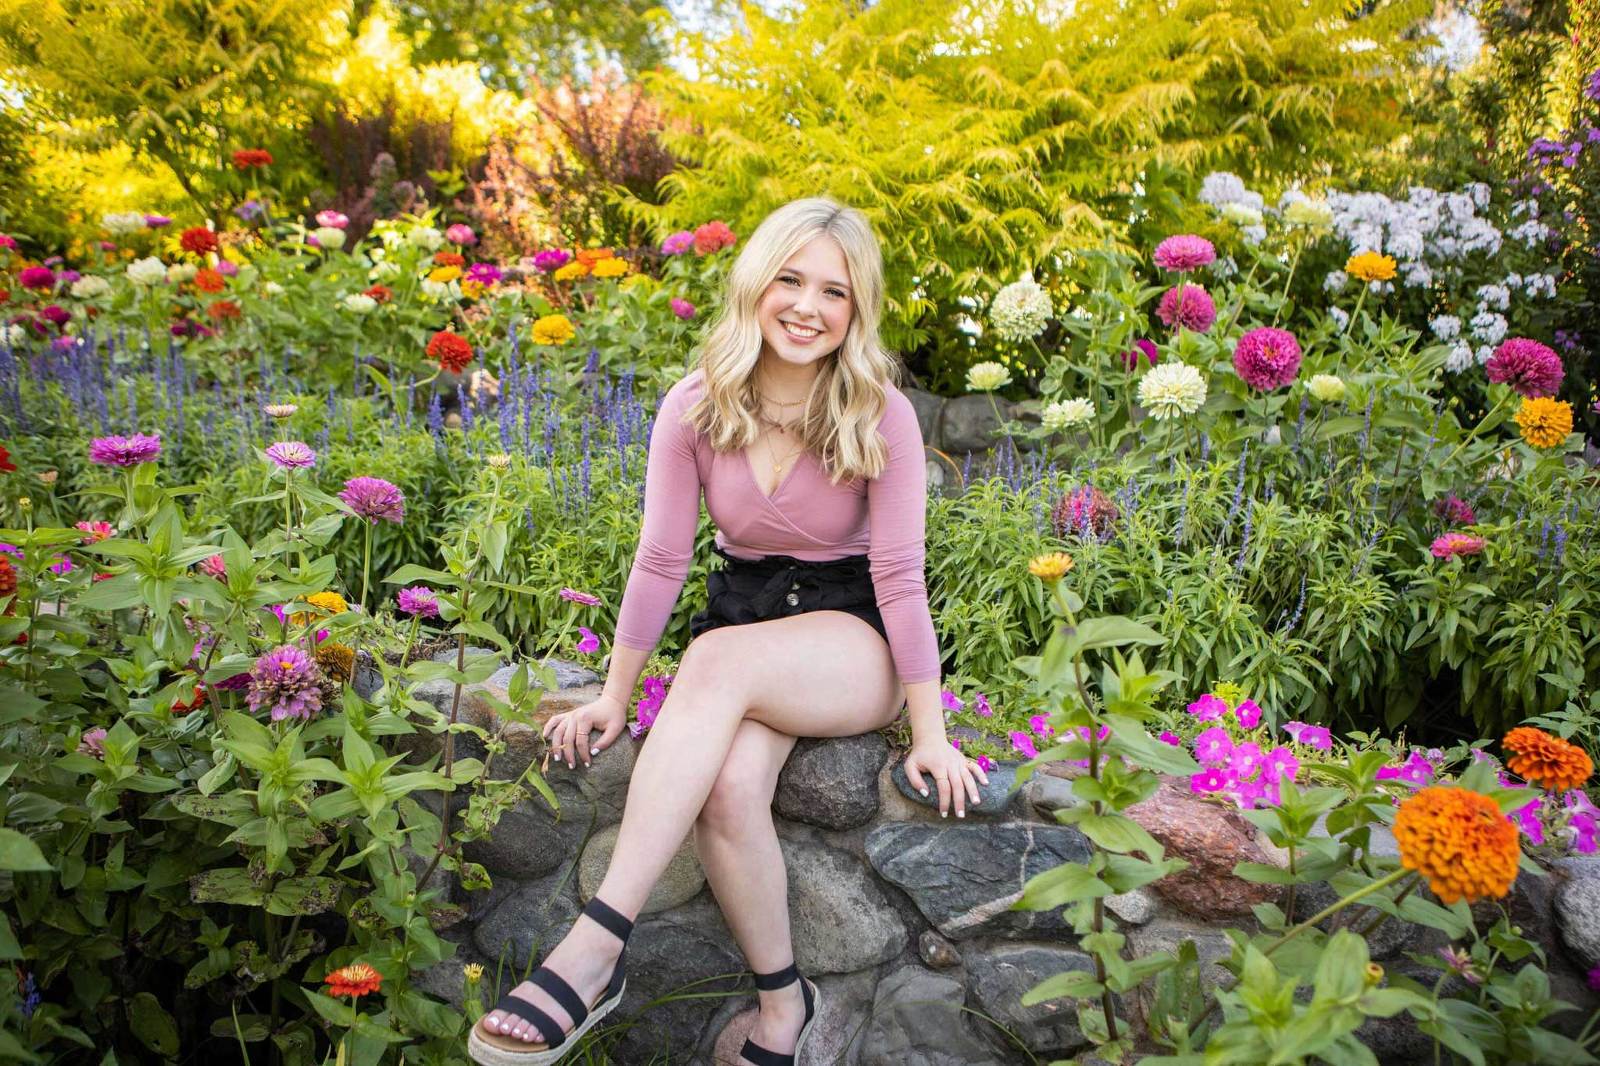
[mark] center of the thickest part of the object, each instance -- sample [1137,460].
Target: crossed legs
[742,694]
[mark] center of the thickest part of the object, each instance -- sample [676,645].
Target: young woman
[811,463]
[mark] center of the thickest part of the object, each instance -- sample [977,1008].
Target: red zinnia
[198,239]
[6,465]
[449,259]
[250,158]
[713,236]
[223,310]
[195,702]
[452,351]
[208,280]
[380,293]
[357,979]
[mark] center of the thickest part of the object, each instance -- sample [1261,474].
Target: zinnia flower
[1370,266]
[279,411]
[572,595]
[610,268]
[1068,414]
[208,280]
[1326,388]
[291,454]
[332,220]
[713,237]
[418,601]
[374,499]
[37,278]
[682,308]
[95,532]
[338,661]
[286,681]
[1544,422]
[1266,358]
[199,240]
[1459,841]
[1452,545]
[124,451]
[1051,567]
[1142,350]
[325,604]
[450,350]
[460,233]
[6,465]
[1530,368]
[444,275]
[485,274]
[251,158]
[93,742]
[571,271]
[1456,511]
[214,566]
[678,243]
[1546,760]
[987,376]
[1184,253]
[380,294]
[1171,390]
[553,329]
[223,310]
[1188,307]
[1020,311]
[554,258]
[357,979]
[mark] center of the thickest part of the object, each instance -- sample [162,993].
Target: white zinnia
[178,273]
[1326,388]
[426,238]
[1066,414]
[147,271]
[329,238]
[986,377]
[272,288]
[384,271]
[89,286]
[15,336]
[1020,311]
[360,303]
[1241,214]
[1172,389]
[440,290]
[1312,214]
[122,223]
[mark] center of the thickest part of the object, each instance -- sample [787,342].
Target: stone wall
[901,917]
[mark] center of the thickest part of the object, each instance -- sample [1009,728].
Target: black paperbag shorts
[777,586]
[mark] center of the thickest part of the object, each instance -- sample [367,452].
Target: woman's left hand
[955,775]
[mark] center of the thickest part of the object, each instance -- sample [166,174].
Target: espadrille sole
[487,1054]
[816,1013]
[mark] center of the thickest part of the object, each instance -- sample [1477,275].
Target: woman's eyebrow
[802,273]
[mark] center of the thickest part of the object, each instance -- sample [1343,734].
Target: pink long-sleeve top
[806,517]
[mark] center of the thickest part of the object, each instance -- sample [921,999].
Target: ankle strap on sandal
[609,918]
[768,982]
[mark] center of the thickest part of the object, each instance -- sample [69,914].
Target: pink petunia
[1041,727]
[1248,713]
[985,763]
[1169,737]
[1245,760]
[589,644]
[1213,745]
[1213,779]
[1279,764]
[1208,708]
[1023,743]
[980,706]
[1526,819]
[1312,736]
[951,703]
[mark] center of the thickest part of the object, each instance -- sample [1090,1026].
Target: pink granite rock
[1212,838]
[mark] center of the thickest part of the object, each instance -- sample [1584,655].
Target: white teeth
[800,331]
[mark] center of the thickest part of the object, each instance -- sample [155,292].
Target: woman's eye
[836,294]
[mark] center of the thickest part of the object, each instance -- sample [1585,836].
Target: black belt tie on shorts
[779,586]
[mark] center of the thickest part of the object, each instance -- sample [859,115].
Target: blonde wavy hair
[849,396]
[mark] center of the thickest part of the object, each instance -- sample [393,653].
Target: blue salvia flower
[592,364]
[1544,540]
[506,422]
[1244,544]
[1299,608]
[435,416]
[29,994]
[1366,425]
[1205,446]
[1272,479]
[966,470]
[1559,554]
[1181,530]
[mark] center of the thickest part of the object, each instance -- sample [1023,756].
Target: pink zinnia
[286,680]
[1267,358]
[1142,350]
[1530,368]
[332,219]
[213,566]
[95,532]
[1456,511]
[36,278]
[682,308]
[93,742]
[460,233]
[374,499]
[418,601]
[572,595]
[713,237]
[1184,252]
[124,451]
[551,259]
[291,454]
[485,274]
[1188,307]
[1452,545]
[678,243]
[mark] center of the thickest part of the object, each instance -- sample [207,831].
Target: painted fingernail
[924,792]
[944,814]
[961,814]
[594,751]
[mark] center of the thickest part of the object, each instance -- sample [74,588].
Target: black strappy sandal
[771,982]
[503,1049]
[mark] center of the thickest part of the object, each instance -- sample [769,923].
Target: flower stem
[366,564]
[1473,432]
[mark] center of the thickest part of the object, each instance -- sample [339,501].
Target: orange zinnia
[357,979]
[1459,841]
[208,280]
[449,259]
[590,256]
[1545,760]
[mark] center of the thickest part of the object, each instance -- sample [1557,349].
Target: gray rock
[365,678]
[1210,943]
[529,841]
[928,406]
[842,1006]
[936,951]
[527,919]
[448,655]
[1387,941]
[999,978]
[964,878]
[445,979]
[969,424]
[602,785]
[839,918]
[1577,909]
[678,884]
[832,783]
[668,951]
[568,674]
[917,1021]
[1047,794]
[1134,908]
[993,798]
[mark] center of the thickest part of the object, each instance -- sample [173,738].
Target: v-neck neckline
[755,481]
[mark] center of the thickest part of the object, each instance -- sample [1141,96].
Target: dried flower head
[279,411]
[336,660]
[572,595]
[1546,760]
[499,461]
[1459,841]
[1086,511]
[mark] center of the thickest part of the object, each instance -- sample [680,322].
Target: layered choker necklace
[766,420]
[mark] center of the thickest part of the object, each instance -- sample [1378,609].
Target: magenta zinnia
[291,454]
[1184,252]
[418,601]
[374,499]
[286,680]
[36,277]
[124,451]
[1142,350]
[1187,306]
[1530,368]
[1267,358]
[1456,511]
[574,596]
[1453,544]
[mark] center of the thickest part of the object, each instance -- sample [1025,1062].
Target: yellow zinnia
[1051,567]
[1370,266]
[472,289]
[444,275]
[1545,422]
[326,603]
[572,270]
[610,268]
[553,329]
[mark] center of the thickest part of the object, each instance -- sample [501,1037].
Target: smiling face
[807,308]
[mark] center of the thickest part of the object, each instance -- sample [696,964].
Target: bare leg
[739,851]
[820,674]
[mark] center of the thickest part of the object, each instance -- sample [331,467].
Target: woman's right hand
[570,733]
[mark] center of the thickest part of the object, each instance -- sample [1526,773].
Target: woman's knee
[741,793]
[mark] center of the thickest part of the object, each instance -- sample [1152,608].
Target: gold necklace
[778,464]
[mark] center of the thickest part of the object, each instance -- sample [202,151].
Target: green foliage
[981,146]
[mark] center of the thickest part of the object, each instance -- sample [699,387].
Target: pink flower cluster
[1415,772]
[649,705]
[1312,736]
[1456,511]
[1452,545]
[1266,358]
[1243,771]
[1184,252]
[1187,307]
[1530,368]
[1213,708]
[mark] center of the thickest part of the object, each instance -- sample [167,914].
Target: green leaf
[229,885]
[1111,631]
[152,1024]
[303,895]
[19,853]
[412,572]
[1121,834]
[1068,883]
[1070,984]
